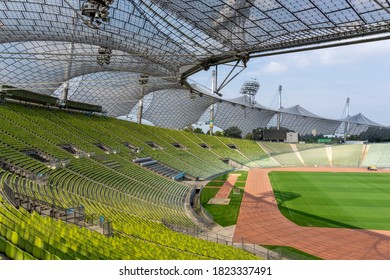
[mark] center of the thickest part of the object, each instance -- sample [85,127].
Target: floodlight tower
[250,89]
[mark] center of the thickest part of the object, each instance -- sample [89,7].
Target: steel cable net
[189,32]
[46,43]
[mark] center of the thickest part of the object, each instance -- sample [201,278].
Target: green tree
[188,128]
[198,130]
[249,136]
[376,134]
[257,134]
[219,133]
[233,132]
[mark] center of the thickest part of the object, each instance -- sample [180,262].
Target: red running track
[227,187]
[261,222]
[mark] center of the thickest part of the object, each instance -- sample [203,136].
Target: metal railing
[75,214]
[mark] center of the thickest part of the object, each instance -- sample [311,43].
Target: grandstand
[283,153]
[314,154]
[132,197]
[347,155]
[110,185]
[377,155]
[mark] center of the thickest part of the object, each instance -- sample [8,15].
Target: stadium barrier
[75,215]
[203,215]
[249,247]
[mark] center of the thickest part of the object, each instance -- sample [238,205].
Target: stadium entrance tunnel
[232,163]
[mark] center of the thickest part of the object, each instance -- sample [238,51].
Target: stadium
[79,183]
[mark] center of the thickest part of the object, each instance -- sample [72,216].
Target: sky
[320,80]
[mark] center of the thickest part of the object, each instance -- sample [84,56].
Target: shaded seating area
[160,168]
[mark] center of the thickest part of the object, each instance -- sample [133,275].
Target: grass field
[348,200]
[224,215]
[291,253]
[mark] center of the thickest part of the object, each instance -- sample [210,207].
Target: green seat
[80,256]
[45,255]
[3,230]
[29,247]
[10,250]
[14,237]
[17,229]
[51,249]
[38,242]
[68,257]
[71,252]
[37,252]
[21,243]
[60,254]
[55,258]
[2,244]
[27,256]
[19,254]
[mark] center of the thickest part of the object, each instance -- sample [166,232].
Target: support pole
[143,80]
[141,105]
[213,88]
[346,124]
[68,69]
[280,106]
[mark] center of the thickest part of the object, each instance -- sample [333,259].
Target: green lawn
[215,183]
[224,215]
[352,200]
[240,184]
[243,177]
[291,253]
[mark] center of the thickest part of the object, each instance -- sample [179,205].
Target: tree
[198,130]
[257,134]
[375,134]
[188,128]
[249,136]
[233,132]
[219,133]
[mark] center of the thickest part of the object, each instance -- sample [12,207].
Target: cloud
[275,68]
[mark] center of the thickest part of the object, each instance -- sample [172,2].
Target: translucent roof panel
[360,119]
[309,125]
[194,32]
[46,43]
[298,110]
[42,66]
[174,108]
[118,92]
[228,114]
[357,124]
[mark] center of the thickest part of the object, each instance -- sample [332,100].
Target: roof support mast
[68,68]
[213,89]
[280,106]
[346,124]
[143,80]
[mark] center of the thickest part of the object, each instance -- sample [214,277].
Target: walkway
[227,187]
